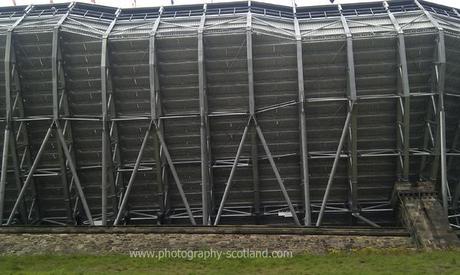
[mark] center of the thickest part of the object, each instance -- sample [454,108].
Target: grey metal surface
[227,113]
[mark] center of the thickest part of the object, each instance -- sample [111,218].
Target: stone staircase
[424,216]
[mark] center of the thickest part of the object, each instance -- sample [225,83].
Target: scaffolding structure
[226,113]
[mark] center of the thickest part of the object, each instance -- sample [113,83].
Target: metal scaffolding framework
[226,113]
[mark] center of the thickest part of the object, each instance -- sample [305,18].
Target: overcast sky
[153,3]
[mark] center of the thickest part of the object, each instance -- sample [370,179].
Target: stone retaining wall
[75,243]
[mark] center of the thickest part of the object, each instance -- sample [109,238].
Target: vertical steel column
[248,125]
[252,115]
[58,77]
[155,108]
[254,152]
[4,171]
[302,122]
[255,173]
[254,146]
[439,74]
[18,106]
[21,132]
[67,130]
[431,110]
[205,165]
[440,149]
[56,117]
[9,110]
[403,108]
[106,144]
[351,94]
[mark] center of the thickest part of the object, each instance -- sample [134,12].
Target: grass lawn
[361,262]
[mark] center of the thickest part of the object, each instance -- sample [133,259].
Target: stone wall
[107,243]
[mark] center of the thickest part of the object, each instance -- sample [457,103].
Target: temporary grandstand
[237,113]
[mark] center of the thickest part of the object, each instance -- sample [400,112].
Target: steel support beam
[334,166]
[155,109]
[6,141]
[255,173]
[232,173]
[277,173]
[18,107]
[440,148]
[18,176]
[352,132]
[428,134]
[439,80]
[174,173]
[248,125]
[73,170]
[30,174]
[9,109]
[303,123]
[56,117]
[252,112]
[64,107]
[107,163]
[58,78]
[24,145]
[404,91]
[204,124]
[133,175]
[259,132]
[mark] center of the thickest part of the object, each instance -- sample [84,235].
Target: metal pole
[439,73]
[17,174]
[31,174]
[255,173]
[8,107]
[352,131]
[133,176]
[232,173]
[277,173]
[428,135]
[57,76]
[334,165]
[73,169]
[203,122]
[174,174]
[252,107]
[106,145]
[302,122]
[403,109]
[154,108]
[4,172]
